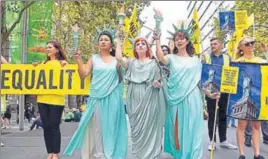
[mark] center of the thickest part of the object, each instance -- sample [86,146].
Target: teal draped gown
[184,117]
[105,106]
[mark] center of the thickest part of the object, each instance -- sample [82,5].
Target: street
[30,144]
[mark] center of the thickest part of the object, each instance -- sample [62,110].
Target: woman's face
[141,47]
[51,50]
[181,42]
[105,42]
[247,46]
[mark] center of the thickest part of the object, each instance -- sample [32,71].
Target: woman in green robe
[144,103]
[184,118]
[102,131]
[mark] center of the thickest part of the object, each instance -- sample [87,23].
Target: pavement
[30,144]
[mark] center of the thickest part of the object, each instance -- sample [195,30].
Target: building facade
[207,10]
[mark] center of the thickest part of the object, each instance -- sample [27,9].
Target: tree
[88,15]
[260,10]
[6,31]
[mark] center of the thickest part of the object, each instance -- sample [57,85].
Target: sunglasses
[250,43]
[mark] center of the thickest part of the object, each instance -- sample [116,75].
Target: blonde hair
[239,52]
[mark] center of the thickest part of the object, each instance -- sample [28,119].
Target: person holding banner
[184,117]
[245,53]
[51,105]
[102,131]
[145,104]
[3,61]
[216,57]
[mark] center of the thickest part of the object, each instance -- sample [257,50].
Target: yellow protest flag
[250,21]
[231,47]
[264,93]
[196,32]
[241,19]
[232,44]
[131,31]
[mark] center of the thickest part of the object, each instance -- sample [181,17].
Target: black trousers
[221,117]
[51,119]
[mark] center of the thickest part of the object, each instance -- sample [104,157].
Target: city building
[207,10]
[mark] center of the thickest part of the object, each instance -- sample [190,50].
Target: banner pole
[214,129]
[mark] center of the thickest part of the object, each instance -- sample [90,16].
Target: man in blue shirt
[216,57]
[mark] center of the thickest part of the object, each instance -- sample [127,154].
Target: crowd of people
[163,94]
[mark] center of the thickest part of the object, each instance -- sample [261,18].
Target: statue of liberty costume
[184,117]
[145,108]
[102,131]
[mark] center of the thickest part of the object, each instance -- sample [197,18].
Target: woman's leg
[55,120]
[33,125]
[256,132]
[6,123]
[45,117]
[242,124]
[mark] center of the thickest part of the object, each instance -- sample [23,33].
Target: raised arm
[83,70]
[118,54]
[3,60]
[151,42]
[159,53]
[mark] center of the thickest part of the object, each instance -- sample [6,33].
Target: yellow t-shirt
[52,99]
[253,60]
[83,107]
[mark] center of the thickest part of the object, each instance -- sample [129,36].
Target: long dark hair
[107,33]
[60,55]
[189,47]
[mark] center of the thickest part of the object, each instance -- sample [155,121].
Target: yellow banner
[196,32]
[241,19]
[232,44]
[131,30]
[250,20]
[264,93]
[229,79]
[42,79]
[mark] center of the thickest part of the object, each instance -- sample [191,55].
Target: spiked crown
[182,29]
[107,29]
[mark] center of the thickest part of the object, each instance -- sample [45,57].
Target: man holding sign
[217,58]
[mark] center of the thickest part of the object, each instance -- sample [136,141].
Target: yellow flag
[231,47]
[131,31]
[196,32]
[250,20]
[232,44]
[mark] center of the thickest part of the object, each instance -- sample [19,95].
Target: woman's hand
[157,84]
[63,63]
[35,63]
[77,55]
[156,35]
[215,95]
